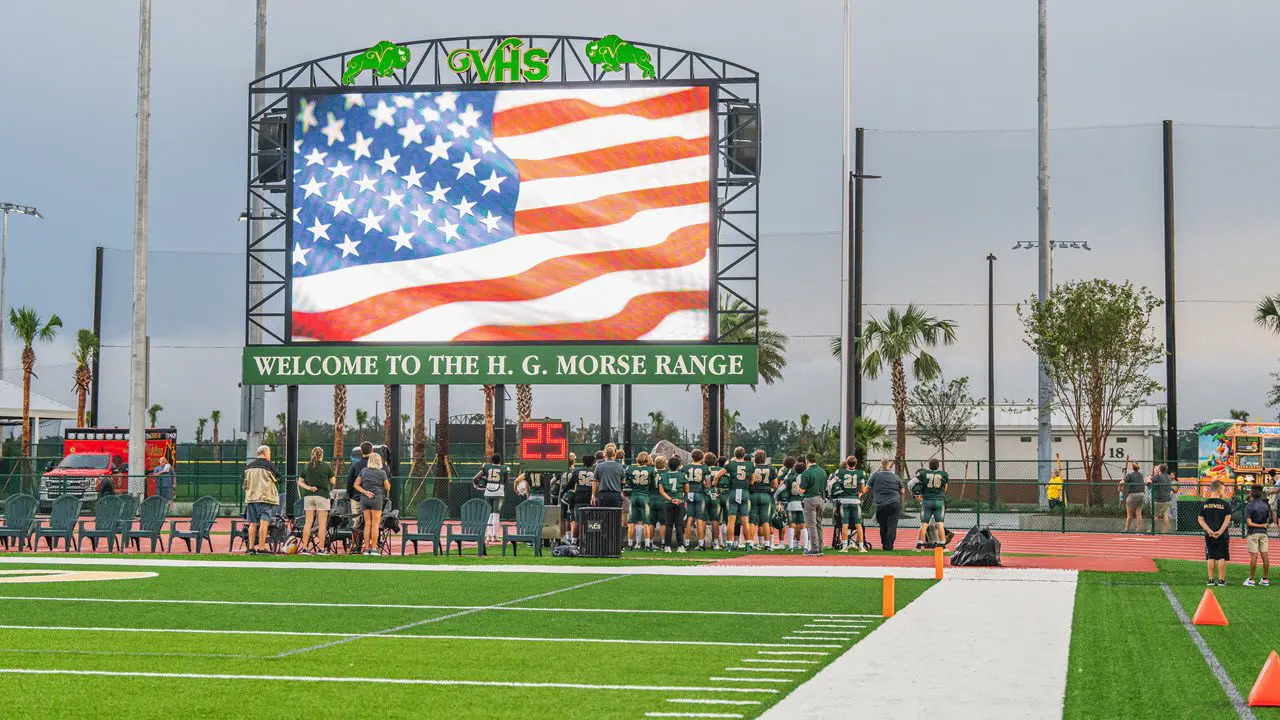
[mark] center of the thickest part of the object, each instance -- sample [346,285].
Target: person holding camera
[372,484]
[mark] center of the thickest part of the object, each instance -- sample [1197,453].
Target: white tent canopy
[41,409]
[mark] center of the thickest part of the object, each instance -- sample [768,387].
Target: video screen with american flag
[544,215]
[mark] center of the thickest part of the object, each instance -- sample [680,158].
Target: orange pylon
[937,563]
[886,601]
[1266,691]
[1209,612]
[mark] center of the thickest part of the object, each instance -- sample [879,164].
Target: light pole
[1044,439]
[991,382]
[253,399]
[7,209]
[138,335]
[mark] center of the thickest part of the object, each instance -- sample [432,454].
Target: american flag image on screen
[553,215]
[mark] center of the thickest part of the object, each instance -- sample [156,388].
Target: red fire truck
[92,455]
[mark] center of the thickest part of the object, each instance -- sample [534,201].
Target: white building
[1133,437]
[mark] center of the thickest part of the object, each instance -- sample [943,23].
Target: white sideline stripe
[829,639]
[770,660]
[835,626]
[439,618]
[405,636]
[394,606]
[786,652]
[768,680]
[827,632]
[712,701]
[376,680]
[766,670]
[691,715]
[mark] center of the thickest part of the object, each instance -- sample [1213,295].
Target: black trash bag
[565,551]
[979,548]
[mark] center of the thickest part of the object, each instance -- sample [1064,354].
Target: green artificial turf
[1132,658]
[449,641]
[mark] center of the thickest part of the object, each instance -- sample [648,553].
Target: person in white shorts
[315,483]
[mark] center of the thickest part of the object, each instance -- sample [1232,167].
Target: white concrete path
[1005,644]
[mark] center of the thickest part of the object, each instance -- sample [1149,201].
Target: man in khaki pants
[1257,516]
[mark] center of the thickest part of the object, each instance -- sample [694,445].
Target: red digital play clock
[544,445]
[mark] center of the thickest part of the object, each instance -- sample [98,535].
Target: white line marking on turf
[771,660]
[827,632]
[439,618]
[691,715]
[836,626]
[712,701]
[395,606]
[1233,694]
[383,681]
[790,652]
[765,670]
[801,637]
[768,680]
[413,636]
[132,654]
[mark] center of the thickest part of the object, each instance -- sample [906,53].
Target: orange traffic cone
[1266,691]
[1209,612]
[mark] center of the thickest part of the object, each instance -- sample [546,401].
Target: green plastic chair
[19,516]
[204,512]
[475,520]
[128,511]
[106,523]
[431,514]
[529,516]
[61,524]
[150,523]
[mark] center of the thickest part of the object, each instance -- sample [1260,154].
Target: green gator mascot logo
[612,52]
[383,59]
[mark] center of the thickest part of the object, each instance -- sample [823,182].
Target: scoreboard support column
[626,423]
[393,409]
[290,440]
[606,410]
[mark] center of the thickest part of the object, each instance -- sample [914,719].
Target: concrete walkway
[1005,644]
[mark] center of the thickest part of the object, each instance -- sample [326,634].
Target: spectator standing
[886,493]
[261,496]
[1054,492]
[166,479]
[1215,520]
[812,483]
[1135,497]
[606,488]
[372,485]
[316,482]
[1162,495]
[366,449]
[1257,516]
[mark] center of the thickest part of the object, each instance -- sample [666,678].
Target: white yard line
[701,570]
[383,681]
[766,670]
[441,618]
[990,633]
[829,639]
[785,652]
[692,715]
[772,660]
[711,701]
[758,680]
[398,606]
[414,636]
[827,632]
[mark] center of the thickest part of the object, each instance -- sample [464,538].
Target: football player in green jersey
[738,470]
[640,479]
[715,508]
[696,501]
[721,482]
[671,486]
[658,504]
[763,481]
[782,496]
[846,486]
[930,491]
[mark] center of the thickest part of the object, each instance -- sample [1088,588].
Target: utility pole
[846,277]
[138,337]
[253,396]
[6,209]
[1044,444]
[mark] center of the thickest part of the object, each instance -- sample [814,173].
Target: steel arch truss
[735,236]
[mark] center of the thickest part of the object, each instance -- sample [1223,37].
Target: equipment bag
[979,548]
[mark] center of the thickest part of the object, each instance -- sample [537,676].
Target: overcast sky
[925,76]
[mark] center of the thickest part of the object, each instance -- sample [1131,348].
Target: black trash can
[601,531]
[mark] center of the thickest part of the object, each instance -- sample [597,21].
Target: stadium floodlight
[8,208]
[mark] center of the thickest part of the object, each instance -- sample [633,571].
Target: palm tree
[889,343]
[214,417]
[283,436]
[386,413]
[200,425]
[362,417]
[153,412]
[85,353]
[740,324]
[27,328]
[658,425]
[442,468]
[488,419]
[524,402]
[1267,313]
[339,426]
[1241,415]
[730,422]
[870,436]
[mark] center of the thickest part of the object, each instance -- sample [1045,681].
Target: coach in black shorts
[607,486]
[1215,520]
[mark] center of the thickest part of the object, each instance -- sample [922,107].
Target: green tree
[730,425]
[153,413]
[1241,415]
[362,418]
[29,327]
[1096,342]
[661,428]
[941,413]
[214,417]
[740,324]
[339,426]
[1267,313]
[200,426]
[1273,397]
[888,344]
[870,437]
[84,354]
